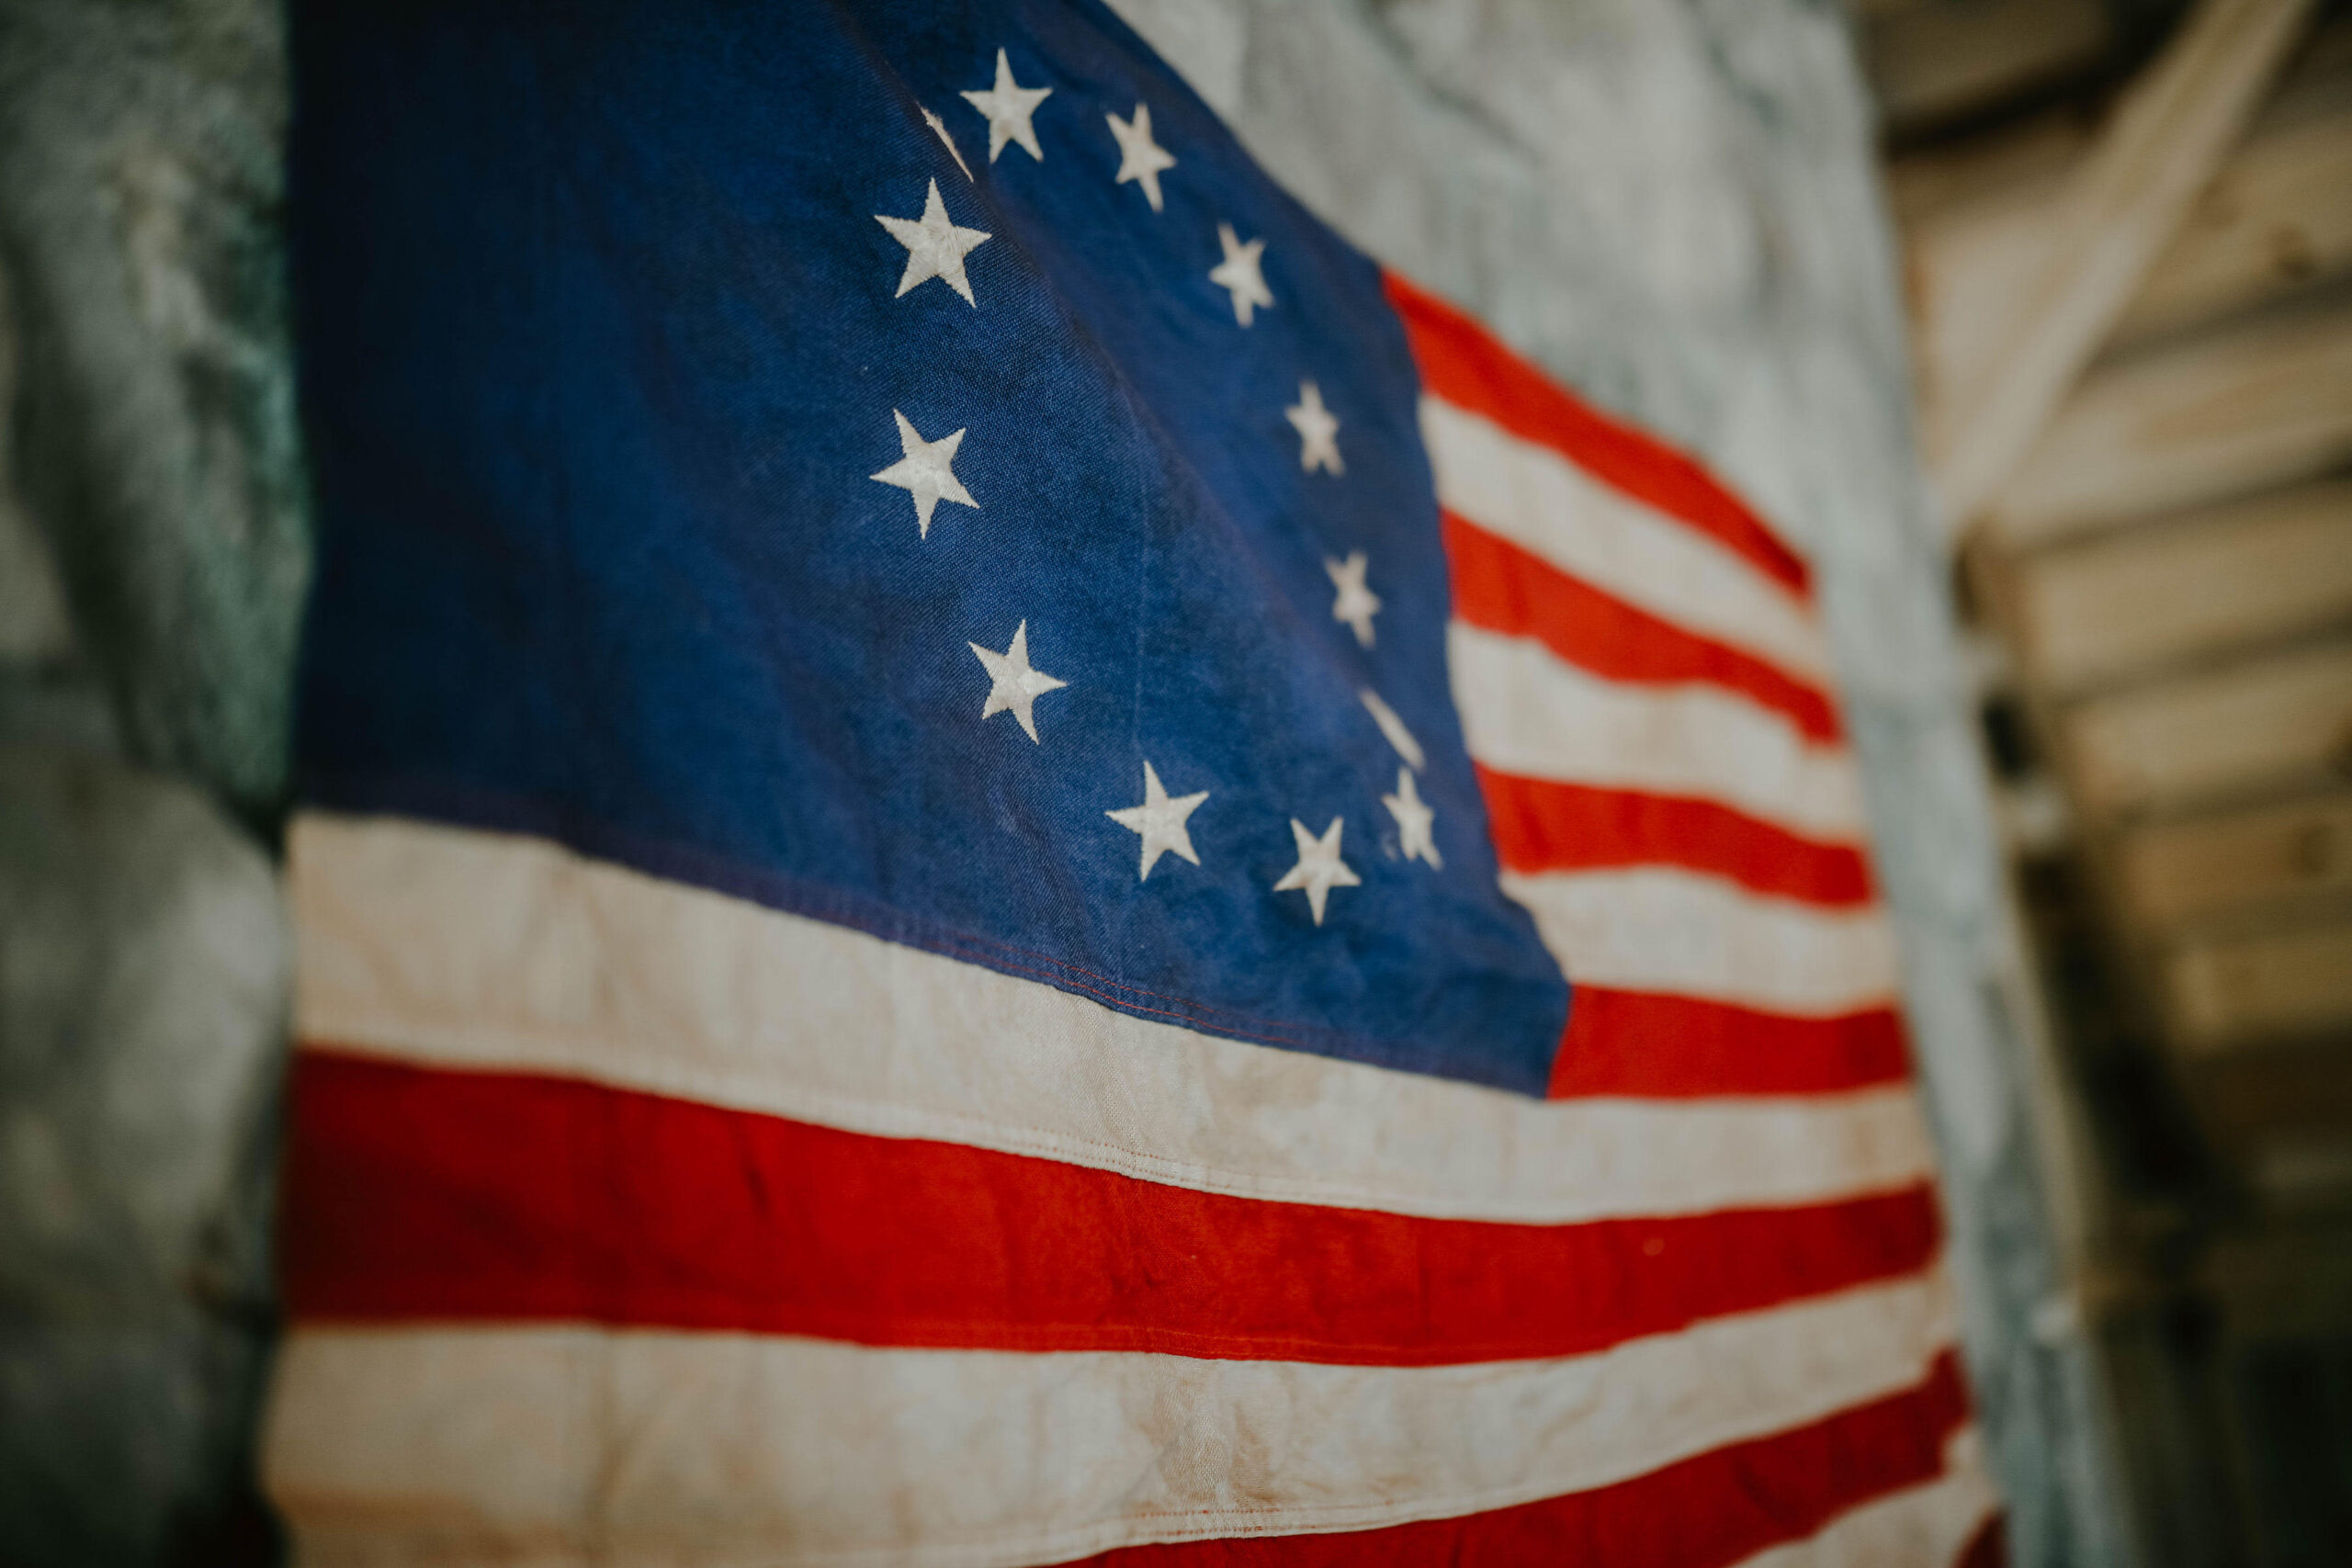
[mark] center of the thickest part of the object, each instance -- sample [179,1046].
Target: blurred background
[2031,321]
[2127,237]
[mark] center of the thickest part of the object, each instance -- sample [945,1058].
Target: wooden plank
[2276,218]
[1964,272]
[2232,991]
[2317,79]
[2246,860]
[1979,216]
[2117,213]
[1978,225]
[2200,421]
[1934,63]
[2199,586]
[2283,721]
[1934,186]
[2248,1097]
[2302,1172]
[2285,1282]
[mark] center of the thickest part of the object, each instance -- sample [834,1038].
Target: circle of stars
[937,247]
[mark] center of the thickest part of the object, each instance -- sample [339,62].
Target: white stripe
[1925,1527]
[1526,712]
[634,1447]
[1676,933]
[1543,504]
[484,950]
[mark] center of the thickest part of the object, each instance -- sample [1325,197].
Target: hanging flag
[1000,860]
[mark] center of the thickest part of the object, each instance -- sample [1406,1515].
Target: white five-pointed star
[1318,430]
[1161,820]
[939,128]
[1009,105]
[1319,867]
[1356,605]
[1238,273]
[1414,818]
[936,248]
[927,472]
[1014,684]
[1140,158]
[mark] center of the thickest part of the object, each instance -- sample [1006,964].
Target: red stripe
[1502,588]
[1541,825]
[1627,1043]
[422,1193]
[1704,1512]
[1460,362]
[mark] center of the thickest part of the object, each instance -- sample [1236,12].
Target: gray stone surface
[140,170]
[152,546]
[143,990]
[1672,205]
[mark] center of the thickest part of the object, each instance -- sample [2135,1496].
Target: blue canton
[904,465]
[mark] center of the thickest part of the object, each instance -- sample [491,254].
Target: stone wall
[152,549]
[1668,202]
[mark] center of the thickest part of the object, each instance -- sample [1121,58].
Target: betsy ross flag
[1001,861]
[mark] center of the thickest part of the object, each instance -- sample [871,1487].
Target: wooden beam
[1977,216]
[2227,992]
[1967,267]
[2284,1283]
[1934,63]
[2276,218]
[1932,187]
[2275,723]
[2209,583]
[1978,224]
[2118,213]
[2291,856]
[2247,1096]
[2198,421]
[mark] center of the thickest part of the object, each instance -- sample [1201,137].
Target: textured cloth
[1003,860]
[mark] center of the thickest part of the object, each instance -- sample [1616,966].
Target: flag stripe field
[1662,929]
[466,948]
[1540,825]
[1524,711]
[1544,503]
[707,1445]
[1939,1522]
[1501,588]
[1461,364]
[422,1193]
[1649,1046]
[1702,1512]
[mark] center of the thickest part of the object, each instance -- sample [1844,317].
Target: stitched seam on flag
[1432,323]
[1109,1533]
[1814,754]
[1533,890]
[1917,1363]
[1503,792]
[1719,658]
[939,1331]
[1960,1479]
[575,833]
[1205,1523]
[1049,1339]
[1789,638]
[882,1118]
[1235,1522]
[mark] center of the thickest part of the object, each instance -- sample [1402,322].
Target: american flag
[1001,860]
